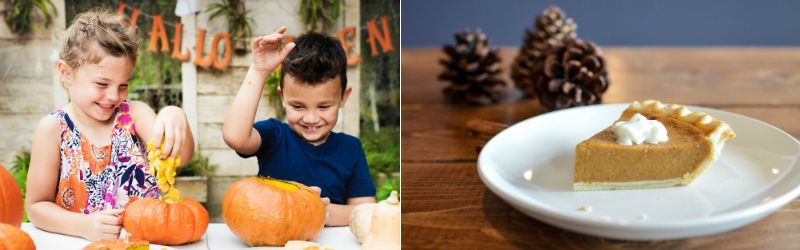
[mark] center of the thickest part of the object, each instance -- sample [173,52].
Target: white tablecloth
[217,237]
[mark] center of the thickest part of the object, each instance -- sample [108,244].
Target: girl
[88,159]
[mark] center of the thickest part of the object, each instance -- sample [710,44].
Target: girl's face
[98,89]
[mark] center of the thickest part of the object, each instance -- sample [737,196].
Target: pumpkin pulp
[169,200]
[165,171]
[280,184]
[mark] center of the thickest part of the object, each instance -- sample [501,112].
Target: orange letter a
[158,33]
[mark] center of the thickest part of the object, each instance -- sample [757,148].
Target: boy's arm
[237,129]
[340,214]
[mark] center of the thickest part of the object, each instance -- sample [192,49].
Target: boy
[313,87]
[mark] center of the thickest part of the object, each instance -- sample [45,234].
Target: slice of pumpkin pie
[650,146]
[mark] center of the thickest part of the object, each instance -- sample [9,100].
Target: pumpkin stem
[393,198]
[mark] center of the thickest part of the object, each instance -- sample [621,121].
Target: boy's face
[312,111]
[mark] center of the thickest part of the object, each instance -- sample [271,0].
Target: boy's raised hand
[266,51]
[104,225]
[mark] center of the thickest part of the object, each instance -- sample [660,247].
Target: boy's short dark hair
[316,58]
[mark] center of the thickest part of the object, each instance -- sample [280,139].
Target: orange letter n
[385,40]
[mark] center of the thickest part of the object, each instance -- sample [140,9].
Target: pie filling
[603,164]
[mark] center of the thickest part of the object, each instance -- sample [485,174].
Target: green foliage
[380,74]
[382,150]
[386,190]
[198,166]
[170,3]
[154,68]
[272,83]
[312,10]
[20,173]
[20,170]
[236,16]
[380,95]
[19,18]
[156,80]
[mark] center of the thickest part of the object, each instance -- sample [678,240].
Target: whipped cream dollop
[638,130]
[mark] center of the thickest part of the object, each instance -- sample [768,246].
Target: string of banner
[159,33]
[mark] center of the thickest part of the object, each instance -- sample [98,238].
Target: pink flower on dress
[124,120]
[109,199]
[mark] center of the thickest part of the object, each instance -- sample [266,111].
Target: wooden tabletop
[446,206]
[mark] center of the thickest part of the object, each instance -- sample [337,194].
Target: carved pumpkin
[13,238]
[162,222]
[129,243]
[269,212]
[12,207]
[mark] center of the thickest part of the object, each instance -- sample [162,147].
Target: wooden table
[218,237]
[446,206]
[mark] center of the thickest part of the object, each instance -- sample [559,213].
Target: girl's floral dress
[95,178]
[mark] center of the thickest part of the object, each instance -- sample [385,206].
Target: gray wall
[428,23]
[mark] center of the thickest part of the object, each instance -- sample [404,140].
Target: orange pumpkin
[165,223]
[12,207]
[13,238]
[269,212]
[129,243]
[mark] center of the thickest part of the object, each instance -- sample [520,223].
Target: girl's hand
[325,200]
[266,51]
[104,225]
[172,125]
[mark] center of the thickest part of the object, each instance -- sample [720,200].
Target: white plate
[530,165]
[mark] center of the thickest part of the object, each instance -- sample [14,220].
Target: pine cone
[548,31]
[472,70]
[571,73]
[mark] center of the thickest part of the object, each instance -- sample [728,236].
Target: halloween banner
[378,37]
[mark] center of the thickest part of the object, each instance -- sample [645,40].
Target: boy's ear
[345,96]
[64,72]
[280,93]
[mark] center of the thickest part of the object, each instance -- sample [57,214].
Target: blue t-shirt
[338,166]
